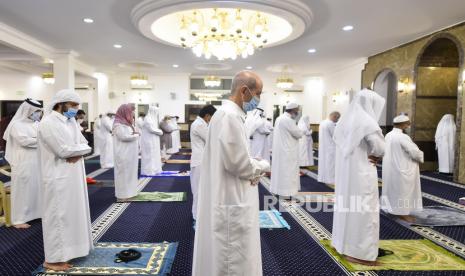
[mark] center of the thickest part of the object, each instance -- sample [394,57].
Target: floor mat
[437,216]
[178,161]
[156,259]
[272,219]
[409,255]
[169,174]
[160,197]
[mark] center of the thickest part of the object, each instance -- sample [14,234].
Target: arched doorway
[385,84]
[437,78]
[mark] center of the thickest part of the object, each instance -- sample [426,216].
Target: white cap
[401,119]
[290,106]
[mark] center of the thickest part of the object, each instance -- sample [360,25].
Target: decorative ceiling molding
[295,12]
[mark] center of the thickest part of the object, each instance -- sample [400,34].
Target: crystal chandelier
[223,33]
[284,82]
[139,80]
[48,78]
[212,81]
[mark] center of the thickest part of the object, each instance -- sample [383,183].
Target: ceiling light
[175,65]
[212,81]
[311,51]
[284,82]
[139,80]
[248,67]
[118,46]
[88,20]
[48,78]
[348,28]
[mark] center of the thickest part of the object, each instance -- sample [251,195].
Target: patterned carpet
[284,252]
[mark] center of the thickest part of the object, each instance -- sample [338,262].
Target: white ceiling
[379,25]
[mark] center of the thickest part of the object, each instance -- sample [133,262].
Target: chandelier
[48,78]
[212,81]
[223,33]
[284,82]
[139,80]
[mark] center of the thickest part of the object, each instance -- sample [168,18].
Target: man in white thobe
[106,152]
[359,145]
[305,143]
[227,237]
[269,140]
[401,172]
[445,143]
[175,136]
[198,135]
[140,121]
[327,149]
[98,134]
[285,178]
[21,153]
[150,143]
[66,218]
[259,136]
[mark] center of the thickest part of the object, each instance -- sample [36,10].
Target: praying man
[401,172]
[66,218]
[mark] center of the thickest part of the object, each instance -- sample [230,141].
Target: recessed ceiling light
[118,46]
[311,51]
[88,20]
[348,28]
[248,67]
[175,65]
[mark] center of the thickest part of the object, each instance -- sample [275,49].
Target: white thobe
[175,138]
[401,174]
[306,148]
[106,154]
[126,161]
[268,142]
[25,185]
[198,135]
[285,179]
[356,211]
[66,218]
[326,152]
[258,142]
[445,143]
[97,136]
[150,149]
[227,237]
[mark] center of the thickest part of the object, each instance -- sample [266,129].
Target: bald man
[227,239]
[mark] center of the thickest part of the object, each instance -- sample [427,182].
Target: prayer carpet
[169,174]
[178,161]
[160,197]
[156,259]
[436,216]
[327,197]
[409,255]
[272,219]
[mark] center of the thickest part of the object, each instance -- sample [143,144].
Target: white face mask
[80,121]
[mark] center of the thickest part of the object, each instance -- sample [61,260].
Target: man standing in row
[327,149]
[401,172]
[285,178]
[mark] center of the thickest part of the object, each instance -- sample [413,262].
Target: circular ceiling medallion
[160,20]
[212,66]
[137,65]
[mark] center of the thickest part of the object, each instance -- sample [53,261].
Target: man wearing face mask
[401,172]
[21,154]
[227,237]
[285,179]
[80,116]
[65,218]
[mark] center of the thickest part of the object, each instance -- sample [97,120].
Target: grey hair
[247,78]
[335,113]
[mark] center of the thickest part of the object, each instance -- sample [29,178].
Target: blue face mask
[36,116]
[252,104]
[72,112]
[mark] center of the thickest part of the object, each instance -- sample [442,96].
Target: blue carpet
[180,157]
[176,167]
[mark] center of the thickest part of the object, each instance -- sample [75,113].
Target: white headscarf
[304,123]
[446,130]
[360,119]
[63,96]
[152,117]
[25,110]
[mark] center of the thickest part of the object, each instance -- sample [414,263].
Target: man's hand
[373,159]
[74,159]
